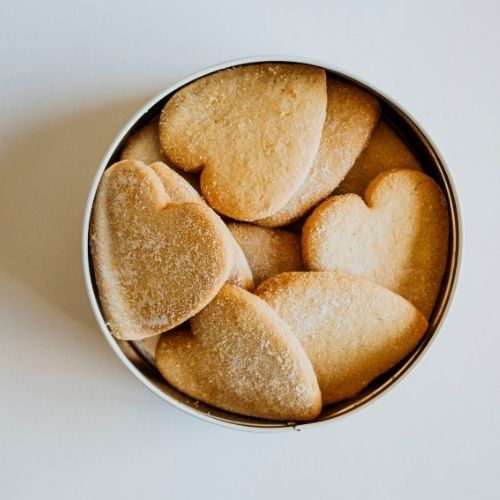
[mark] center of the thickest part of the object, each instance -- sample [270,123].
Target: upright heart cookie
[243,358]
[397,237]
[351,115]
[253,130]
[268,251]
[180,190]
[385,151]
[156,263]
[352,329]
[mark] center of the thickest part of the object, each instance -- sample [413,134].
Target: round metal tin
[433,164]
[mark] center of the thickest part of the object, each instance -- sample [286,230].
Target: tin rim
[142,371]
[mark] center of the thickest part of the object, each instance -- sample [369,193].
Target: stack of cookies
[269,241]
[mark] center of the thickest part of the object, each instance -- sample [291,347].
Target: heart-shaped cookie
[243,358]
[384,151]
[397,237]
[178,189]
[352,329]
[268,251]
[253,130]
[351,115]
[156,263]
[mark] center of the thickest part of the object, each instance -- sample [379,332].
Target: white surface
[74,423]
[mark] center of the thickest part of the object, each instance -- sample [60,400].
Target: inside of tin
[425,152]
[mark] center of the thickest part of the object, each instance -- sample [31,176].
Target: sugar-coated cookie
[156,262]
[241,274]
[144,145]
[241,357]
[180,190]
[268,251]
[352,329]
[397,237]
[384,151]
[253,130]
[177,187]
[351,115]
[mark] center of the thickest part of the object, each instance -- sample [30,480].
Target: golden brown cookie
[351,115]
[352,329]
[385,151]
[253,130]
[180,190]
[144,145]
[397,237]
[156,262]
[268,251]
[241,274]
[243,358]
[177,188]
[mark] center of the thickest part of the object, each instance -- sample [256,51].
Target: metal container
[433,165]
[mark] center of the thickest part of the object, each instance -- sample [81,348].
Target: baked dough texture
[351,115]
[352,329]
[241,357]
[156,262]
[385,151]
[180,190]
[253,130]
[144,145]
[268,251]
[397,236]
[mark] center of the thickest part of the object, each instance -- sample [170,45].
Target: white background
[74,423]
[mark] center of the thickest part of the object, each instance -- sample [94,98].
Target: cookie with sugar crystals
[180,190]
[156,262]
[241,357]
[385,151]
[268,251]
[253,131]
[144,145]
[351,115]
[397,236]
[177,187]
[352,329]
